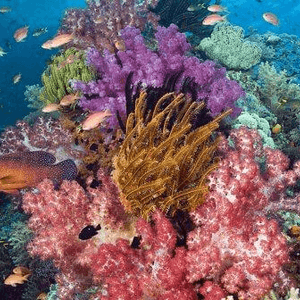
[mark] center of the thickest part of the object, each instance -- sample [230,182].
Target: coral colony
[170,190]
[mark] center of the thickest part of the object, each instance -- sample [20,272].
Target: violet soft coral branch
[150,68]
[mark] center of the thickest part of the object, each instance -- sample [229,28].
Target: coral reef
[57,218]
[282,50]
[151,68]
[176,199]
[227,45]
[276,89]
[187,15]
[156,270]
[99,24]
[46,134]
[252,120]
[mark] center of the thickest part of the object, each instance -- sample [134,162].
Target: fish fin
[7,179]
[41,158]
[69,169]
[25,277]
[11,192]
[10,185]
[98,227]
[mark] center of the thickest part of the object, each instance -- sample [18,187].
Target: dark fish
[89,231]
[136,242]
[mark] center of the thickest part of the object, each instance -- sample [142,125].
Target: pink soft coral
[57,218]
[234,244]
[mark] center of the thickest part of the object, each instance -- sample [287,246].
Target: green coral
[228,46]
[57,76]
[253,121]
[18,239]
[276,89]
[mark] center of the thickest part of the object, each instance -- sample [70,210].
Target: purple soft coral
[151,68]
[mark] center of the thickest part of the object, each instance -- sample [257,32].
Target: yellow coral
[164,163]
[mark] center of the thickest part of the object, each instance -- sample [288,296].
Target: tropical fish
[216,8]
[69,99]
[17,78]
[213,19]
[42,296]
[51,107]
[5,9]
[276,129]
[21,34]
[2,52]
[89,231]
[99,20]
[95,119]
[14,279]
[271,18]
[69,60]
[58,41]
[39,31]
[120,45]
[196,7]
[21,270]
[27,169]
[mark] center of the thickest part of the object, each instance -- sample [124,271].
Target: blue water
[27,58]
[246,13]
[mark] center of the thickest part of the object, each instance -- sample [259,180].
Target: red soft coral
[234,244]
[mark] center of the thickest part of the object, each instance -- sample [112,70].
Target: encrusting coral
[163,162]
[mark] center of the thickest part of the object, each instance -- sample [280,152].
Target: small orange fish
[21,34]
[95,119]
[295,230]
[21,270]
[120,45]
[42,296]
[69,99]
[216,8]
[69,60]
[58,41]
[17,78]
[213,19]
[27,169]
[51,107]
[99,20]
[14,279]
[271,18]
[276,129]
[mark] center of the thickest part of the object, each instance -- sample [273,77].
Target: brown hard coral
[163,161]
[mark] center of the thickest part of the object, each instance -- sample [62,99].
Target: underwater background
[146,160]
[29,59]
